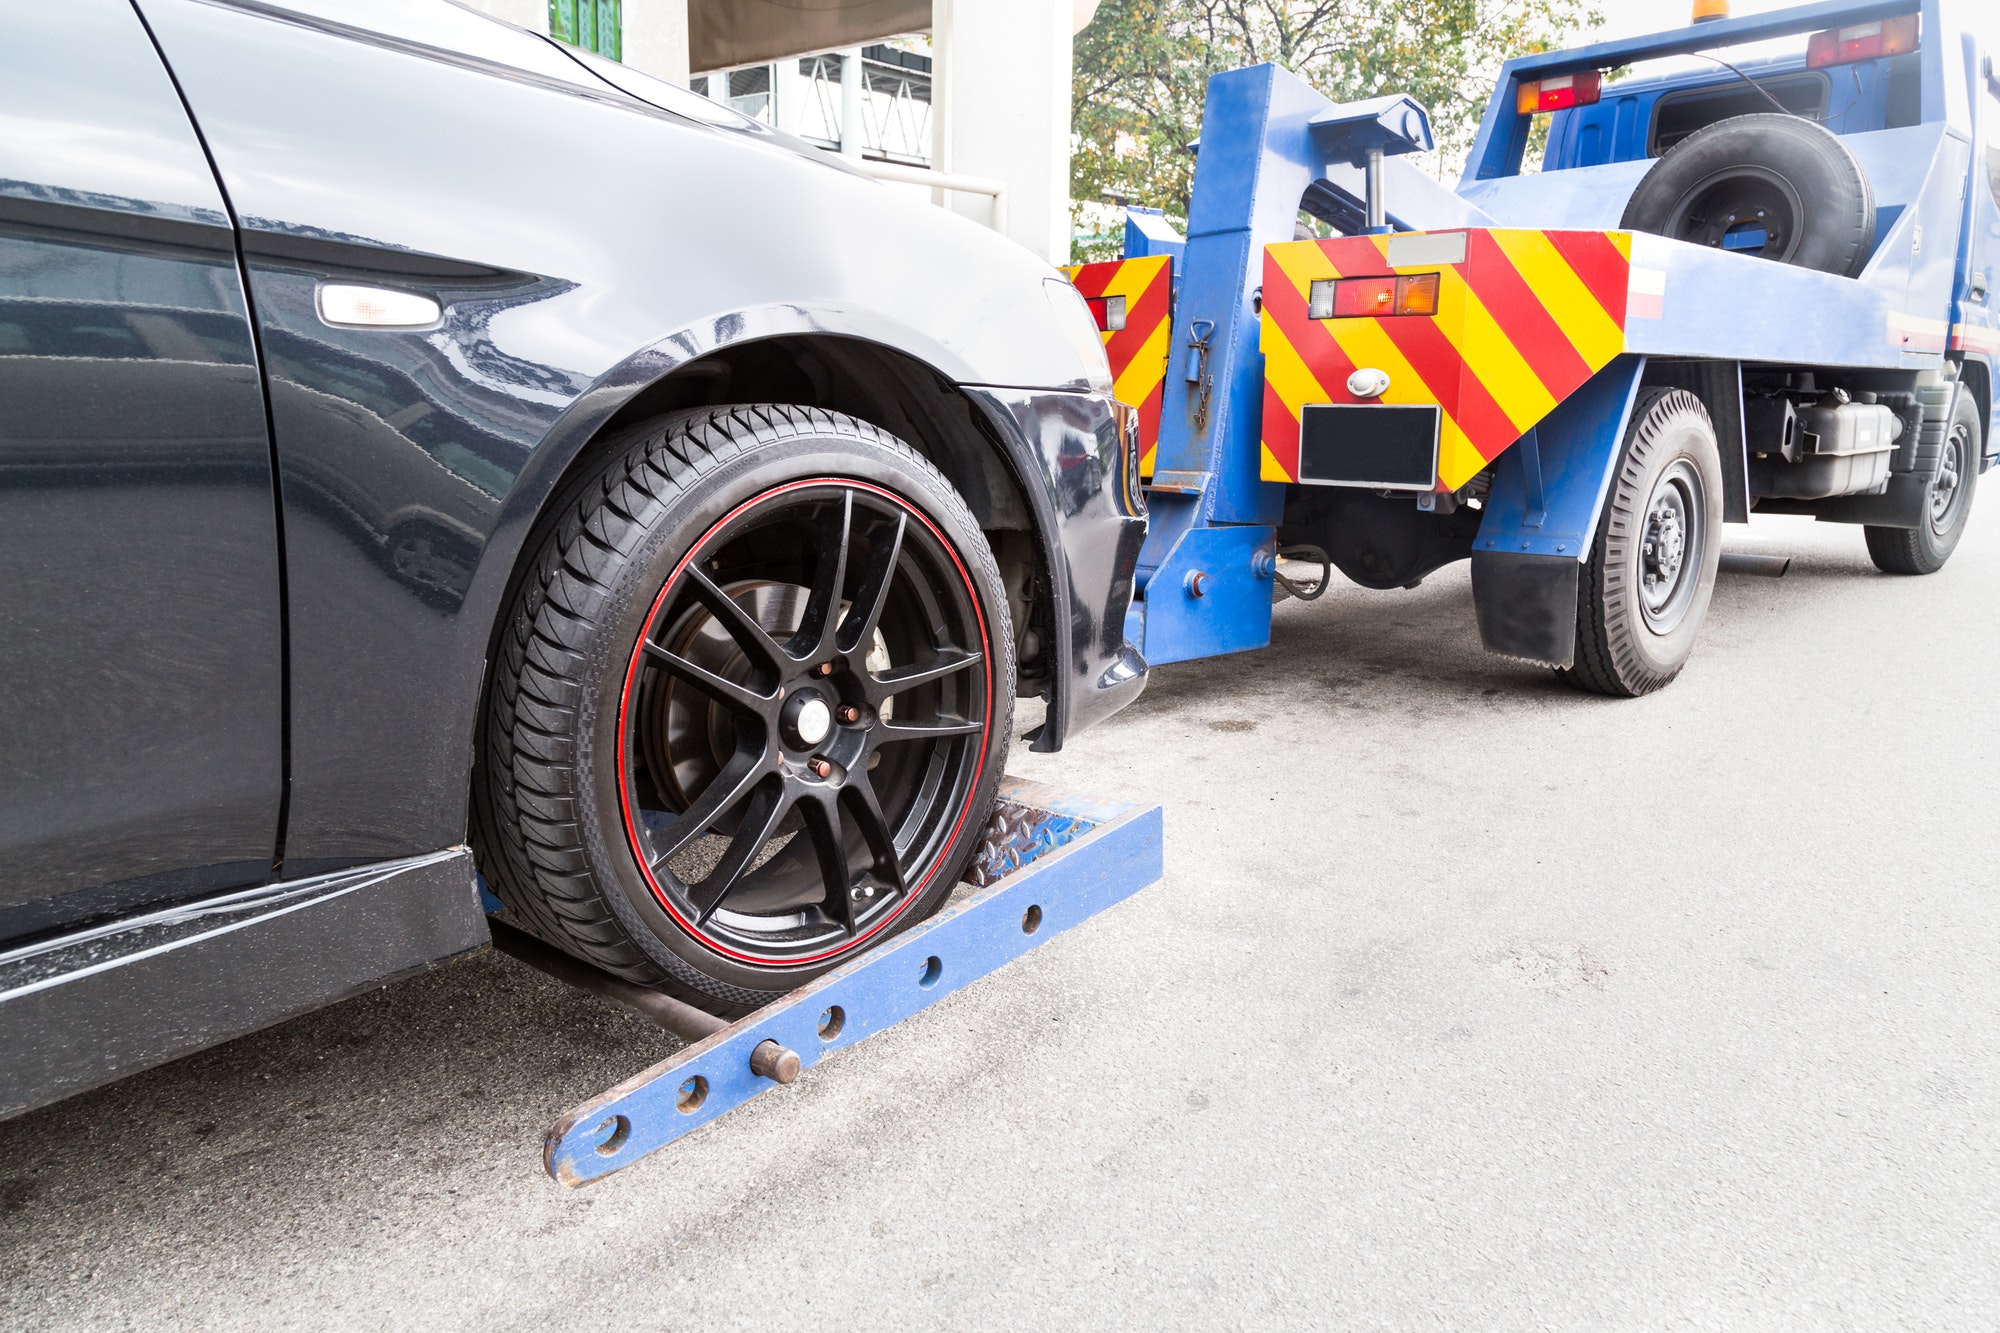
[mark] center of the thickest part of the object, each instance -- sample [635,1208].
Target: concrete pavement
[1467,1001]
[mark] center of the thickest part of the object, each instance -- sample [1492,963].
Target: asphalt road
[1467,1001]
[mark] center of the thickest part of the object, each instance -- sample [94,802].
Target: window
[593,25]
[1679,114]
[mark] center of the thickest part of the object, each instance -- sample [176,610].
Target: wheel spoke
[858,627]
[816,629]
[822,821]
[726,692]
[889,732]
[741,626]
[874,827]
[761,816]
[722,794]
[891,683]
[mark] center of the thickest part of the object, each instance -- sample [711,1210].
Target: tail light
[1359,298]
[1863,41]
[1109,312]
[1560,93]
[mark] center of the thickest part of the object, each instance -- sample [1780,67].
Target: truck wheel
[1924,549]
[750,705]
[1645,588]
[1768,185]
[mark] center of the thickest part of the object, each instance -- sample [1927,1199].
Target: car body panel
[141,692]
[564,291]
[584,243]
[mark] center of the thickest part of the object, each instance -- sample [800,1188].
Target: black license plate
[1386,446]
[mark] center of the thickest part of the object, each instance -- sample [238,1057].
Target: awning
[723,34]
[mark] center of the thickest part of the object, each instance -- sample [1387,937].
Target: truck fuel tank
[1811,452]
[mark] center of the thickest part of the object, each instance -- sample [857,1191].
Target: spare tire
[1778,187]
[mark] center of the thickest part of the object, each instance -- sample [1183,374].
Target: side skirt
[95,1005]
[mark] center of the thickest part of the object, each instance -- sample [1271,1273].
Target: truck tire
[1651,571]
[1768,185]
[1954,474]
[750,704]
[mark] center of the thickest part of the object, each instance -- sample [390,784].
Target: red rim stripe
[632,677]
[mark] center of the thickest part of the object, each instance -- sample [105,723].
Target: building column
[1000,107]
[852,132]
[530,14]
[656,38]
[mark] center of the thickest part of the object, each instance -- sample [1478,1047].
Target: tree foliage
[1142,69]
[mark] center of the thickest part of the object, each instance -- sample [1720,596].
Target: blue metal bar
[1503,132]
[1709,36]
[1113,850]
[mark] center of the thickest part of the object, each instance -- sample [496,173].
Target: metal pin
[774,1062]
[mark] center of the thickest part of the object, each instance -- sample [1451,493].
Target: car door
[141,653]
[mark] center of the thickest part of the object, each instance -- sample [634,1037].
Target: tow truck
[1742,266]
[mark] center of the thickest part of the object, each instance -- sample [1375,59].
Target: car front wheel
[750,706]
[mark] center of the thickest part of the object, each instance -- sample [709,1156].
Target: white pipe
[850,102]
[940,181]
[943,86]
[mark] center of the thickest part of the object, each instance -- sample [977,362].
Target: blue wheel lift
[1050,860]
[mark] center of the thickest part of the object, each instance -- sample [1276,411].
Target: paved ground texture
[1466,1002]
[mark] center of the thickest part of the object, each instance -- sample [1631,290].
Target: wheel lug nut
[847,713]
[823,669]
[820,768]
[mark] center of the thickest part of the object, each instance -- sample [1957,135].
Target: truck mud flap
[1527,604]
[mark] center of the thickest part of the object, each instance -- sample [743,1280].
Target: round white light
[1368,382]
[814,721]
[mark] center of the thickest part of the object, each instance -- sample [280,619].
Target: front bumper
[1081,476]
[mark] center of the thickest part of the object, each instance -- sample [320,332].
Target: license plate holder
[1379,446]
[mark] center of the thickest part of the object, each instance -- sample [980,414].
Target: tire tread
[528,798]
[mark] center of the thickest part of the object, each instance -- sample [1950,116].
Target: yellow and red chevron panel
[1138,349]
[1522,322]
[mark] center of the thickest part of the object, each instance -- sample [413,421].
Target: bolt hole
[693,1093]
[620,1129]
[933,969]
[831,1022]
[1031,920]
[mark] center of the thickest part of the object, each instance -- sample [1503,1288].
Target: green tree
[1142,70]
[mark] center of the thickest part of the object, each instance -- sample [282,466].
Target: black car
[430,455]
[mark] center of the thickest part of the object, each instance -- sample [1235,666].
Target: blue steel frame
[1115,849]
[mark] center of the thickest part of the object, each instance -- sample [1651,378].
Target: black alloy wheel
[751,706]
[805,719]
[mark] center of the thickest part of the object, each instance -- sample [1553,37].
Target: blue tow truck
[1750,272]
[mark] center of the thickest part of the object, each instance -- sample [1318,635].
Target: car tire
[1954,475]
[678,696]
[1645,588]
[1781,178]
